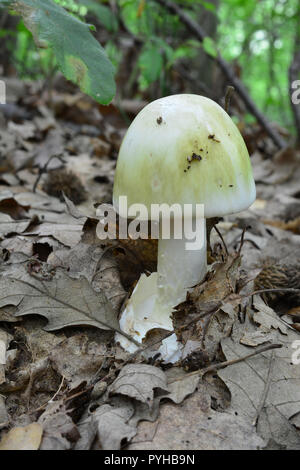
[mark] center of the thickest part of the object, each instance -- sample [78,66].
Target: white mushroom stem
[154,297]
[179,267]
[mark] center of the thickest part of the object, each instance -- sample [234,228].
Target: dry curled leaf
[138,381]
[266,317]
[195,426]
[62,300]
[180,384]
[60,433]
[112,424]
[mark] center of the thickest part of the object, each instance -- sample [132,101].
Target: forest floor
[64,383]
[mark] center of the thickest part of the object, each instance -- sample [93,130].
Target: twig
[154,343]
[242,240]
[221,365]
[199,371]
[194,28]
[42,407]
[277,289]
[58,390]
[228,94]
[44,169]
[221,237]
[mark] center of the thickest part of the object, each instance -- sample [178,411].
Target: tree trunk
[294,75]
[9,23]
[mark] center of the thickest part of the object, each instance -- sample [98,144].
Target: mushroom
[181,149]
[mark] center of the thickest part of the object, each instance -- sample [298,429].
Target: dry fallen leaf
[133,397]
[60,433]
[78,359]
[23,438]
[195,426]
[4,418]
[265,385]
[9,226]
[112,424]
[62,300]
[180,389]
[41,367]
[138,381]
[9,205]
[5,339]
[266,317]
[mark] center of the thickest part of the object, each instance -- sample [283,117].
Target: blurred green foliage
[256,36]
[79,56]
[260,35]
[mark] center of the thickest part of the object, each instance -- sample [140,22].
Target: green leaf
[151,63]
[79,56]
[209,6]
[210,47]
[103,13]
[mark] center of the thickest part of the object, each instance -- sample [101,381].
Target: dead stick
[214,367]
[242,240]
[222,239]
[186,325]
[44,169]
[170,333]
[221,365]
[227,70]
[278,289]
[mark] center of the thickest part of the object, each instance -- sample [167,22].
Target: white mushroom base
[154,297]
[143,314]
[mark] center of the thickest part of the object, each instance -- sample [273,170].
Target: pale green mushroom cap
[185,149]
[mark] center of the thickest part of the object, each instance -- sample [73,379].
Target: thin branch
[277,289]
[242,240]
[221,237]
[221,365]
[228,94]
[195,29]
[44,169]
[51,400]
[214,367]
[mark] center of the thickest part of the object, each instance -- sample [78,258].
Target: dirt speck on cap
[212,137]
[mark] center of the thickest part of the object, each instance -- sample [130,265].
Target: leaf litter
[64,383]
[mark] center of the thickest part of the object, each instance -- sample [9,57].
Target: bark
[8,23]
